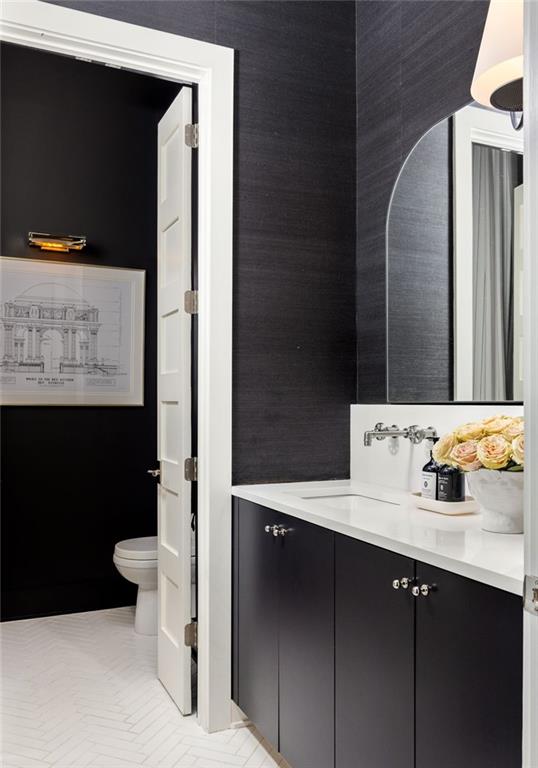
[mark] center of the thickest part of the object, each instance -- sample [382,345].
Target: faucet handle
[418,434]
[415,434]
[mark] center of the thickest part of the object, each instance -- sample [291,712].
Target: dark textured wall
[294,364]
[415,62]
[419,274]
[79,154]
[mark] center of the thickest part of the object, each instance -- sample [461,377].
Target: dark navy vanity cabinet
[374,636]
[469,674]
[283,657]
[341,664]
[426,681]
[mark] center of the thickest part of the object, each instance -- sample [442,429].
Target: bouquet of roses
[497,442]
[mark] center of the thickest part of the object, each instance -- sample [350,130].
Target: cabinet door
[374,658]
[468,674]
[255,642]
[307,645]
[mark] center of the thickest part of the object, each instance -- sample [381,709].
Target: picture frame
[70,334]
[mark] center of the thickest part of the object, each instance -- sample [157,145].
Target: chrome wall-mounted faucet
[414,433]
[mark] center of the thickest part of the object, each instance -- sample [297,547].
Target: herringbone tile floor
[80,691]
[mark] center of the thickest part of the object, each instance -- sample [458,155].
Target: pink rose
[494,451]
[464,456]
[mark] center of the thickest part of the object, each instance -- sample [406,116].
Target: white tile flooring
[80,691]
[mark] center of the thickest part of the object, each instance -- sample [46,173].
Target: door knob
[154,472]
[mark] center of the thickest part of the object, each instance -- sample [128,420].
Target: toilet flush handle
[154,472]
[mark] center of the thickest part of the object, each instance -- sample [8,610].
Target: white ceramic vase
[500,494]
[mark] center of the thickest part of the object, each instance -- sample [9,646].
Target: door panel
[256,612]
[306,645]
[174,400]
[374,640]
[469,674]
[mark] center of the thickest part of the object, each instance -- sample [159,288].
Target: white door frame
[530,384]
[211,67]
[472,125]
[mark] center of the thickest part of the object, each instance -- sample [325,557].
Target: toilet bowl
[136,560]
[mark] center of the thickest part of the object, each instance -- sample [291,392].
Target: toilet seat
[144,548]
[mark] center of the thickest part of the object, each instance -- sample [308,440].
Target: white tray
[468,507]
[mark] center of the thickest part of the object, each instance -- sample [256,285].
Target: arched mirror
[455,264]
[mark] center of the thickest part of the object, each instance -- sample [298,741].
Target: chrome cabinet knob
[403,583]
[277,530]
[154,472]
[271,529]
[423,590]
[396,584]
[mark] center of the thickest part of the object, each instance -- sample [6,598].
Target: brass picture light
[56,243]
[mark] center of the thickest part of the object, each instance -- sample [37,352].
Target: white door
[530,248]
[174,399]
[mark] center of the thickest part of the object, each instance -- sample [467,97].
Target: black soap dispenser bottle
[450,484]
[430,471]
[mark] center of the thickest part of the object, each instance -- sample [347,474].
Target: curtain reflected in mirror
[496,176]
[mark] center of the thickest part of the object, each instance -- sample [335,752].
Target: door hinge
[191,302]
[191,135]
[531,594]
[191,469]
[191,635]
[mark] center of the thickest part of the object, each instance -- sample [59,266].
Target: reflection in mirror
[454,264]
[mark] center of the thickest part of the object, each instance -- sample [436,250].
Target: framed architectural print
[70,334]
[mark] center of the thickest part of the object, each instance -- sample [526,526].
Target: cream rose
[496,424]
[463,455]
[471,431]
[518,449]
[494,451]
[443,448]
[514,429]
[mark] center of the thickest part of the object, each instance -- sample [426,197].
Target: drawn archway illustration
[28,319]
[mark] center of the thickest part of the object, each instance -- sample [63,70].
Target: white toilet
[136,560]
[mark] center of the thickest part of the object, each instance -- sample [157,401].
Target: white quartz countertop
[388,518]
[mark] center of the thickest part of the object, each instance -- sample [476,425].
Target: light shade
[498,76]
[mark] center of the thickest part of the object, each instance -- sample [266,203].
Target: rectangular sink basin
[347,500]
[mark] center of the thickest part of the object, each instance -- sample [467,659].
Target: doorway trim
[210,67]
[530,382]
